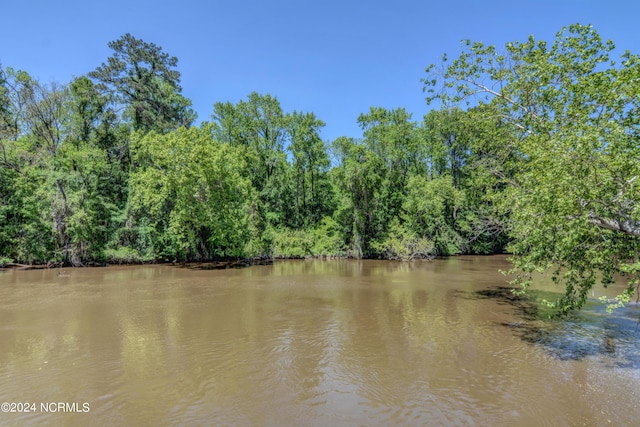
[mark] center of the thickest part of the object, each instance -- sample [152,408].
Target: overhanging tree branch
[630,227]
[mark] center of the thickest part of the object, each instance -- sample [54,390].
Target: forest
[531,148]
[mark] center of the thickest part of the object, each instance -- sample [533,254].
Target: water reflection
[298,343]
[612,337]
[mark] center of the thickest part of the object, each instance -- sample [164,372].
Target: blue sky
[333,58]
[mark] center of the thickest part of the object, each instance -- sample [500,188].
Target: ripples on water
[309,343]
[612,338]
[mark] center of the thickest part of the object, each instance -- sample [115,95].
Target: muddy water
[318,343]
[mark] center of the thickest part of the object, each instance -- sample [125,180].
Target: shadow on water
[223,264]
[614,338]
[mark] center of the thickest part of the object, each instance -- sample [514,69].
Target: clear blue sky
[333,58]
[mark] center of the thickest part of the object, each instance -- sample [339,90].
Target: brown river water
[307,343]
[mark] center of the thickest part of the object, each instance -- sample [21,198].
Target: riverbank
[216,264]
[197,265]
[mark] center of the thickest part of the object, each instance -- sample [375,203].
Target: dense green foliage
[575,112]
[542,161]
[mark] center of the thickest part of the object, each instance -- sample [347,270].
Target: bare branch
[630,227]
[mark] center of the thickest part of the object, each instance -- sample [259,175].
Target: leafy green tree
[449,137]
[15,188]
[11,218]
[190,190]
[58,190]
[310,162]
[473,148]
[574,201]
[42,123]
[323,240]
[25,222]
[11,103]
[93,123]
[431,208]
[87,108]
[258,126]
[82,207]
[401,243]
[257,123]
[373,177]
[7,173]
[358,178]
[44,113]
[143,78]
[393,137]
[6,122]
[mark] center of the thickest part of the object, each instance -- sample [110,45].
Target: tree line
[533,149]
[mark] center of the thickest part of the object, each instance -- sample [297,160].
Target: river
[307,343]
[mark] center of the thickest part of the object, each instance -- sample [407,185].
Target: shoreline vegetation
[213,264]
[109,168]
